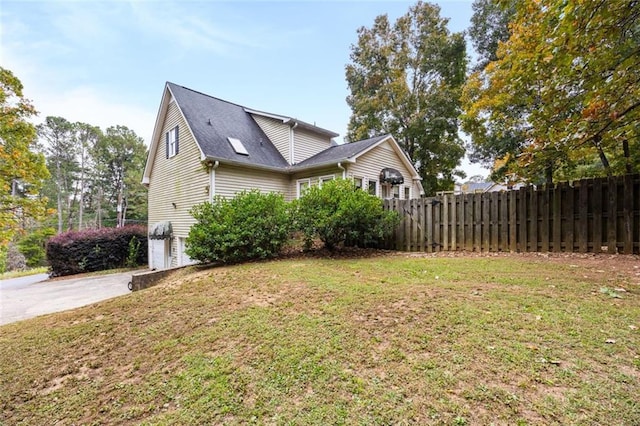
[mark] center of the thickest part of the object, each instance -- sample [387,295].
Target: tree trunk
[548,174]
[603,156]
[59,178]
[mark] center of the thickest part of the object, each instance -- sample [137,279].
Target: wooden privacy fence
[586,216]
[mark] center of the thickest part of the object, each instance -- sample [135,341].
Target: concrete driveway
[27,297]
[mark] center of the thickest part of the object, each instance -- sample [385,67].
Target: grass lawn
[392,339]
[18,274]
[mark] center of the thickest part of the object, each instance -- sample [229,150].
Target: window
[172,142]
[357,182]
[303,185]
[373,187]
[324,179]
[238,147]
[386,190]
[407,193]
[395,189]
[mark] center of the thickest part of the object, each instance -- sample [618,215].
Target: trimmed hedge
[91,250]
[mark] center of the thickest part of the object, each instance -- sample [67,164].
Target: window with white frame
[303,186]
[172,142]
[324,179]
[357,182]
[372,187]
[395,191]
[407,192]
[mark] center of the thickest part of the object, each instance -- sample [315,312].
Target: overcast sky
[106,63]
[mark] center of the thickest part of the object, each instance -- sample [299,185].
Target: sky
[106,62]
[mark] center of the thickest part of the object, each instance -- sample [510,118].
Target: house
[482,187]
[203,146]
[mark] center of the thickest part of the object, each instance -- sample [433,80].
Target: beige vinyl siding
[369,165]
[230,180]
[180,179]
[277,132]
[307,144]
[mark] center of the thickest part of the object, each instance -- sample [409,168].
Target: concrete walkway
[28,297]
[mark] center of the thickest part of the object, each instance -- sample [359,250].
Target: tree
[405,79]
[489,27]
[60,149]
[87,137]
[120,156]
[22,170]
[572,68]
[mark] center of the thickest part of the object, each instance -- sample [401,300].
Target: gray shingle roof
[213,120]
[338,153]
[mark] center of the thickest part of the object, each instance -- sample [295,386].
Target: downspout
[292,144]
[344,171]
[212,183]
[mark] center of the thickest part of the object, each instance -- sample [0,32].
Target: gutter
[292,144]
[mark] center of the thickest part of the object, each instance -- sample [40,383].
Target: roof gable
[350,152]
[212,121]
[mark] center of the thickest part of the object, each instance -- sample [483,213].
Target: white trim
[377,187]
[361,181]
[298,182]
[404,191]
[326,178]
[173,141]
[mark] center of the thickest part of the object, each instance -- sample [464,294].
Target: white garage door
[159,254]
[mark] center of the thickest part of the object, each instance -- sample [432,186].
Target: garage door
[159,254]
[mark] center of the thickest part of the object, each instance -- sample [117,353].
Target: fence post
[568,204]
[597,215]
[583,212]
[612,215]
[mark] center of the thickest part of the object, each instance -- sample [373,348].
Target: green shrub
[251,225]
[339,213]
[33,245]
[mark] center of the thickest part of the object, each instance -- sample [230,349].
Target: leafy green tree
[22,170]
[61,151]
[571,66]
[489,27]
[120,156]
[339,213]
[405,79]
[86,137]
[33,246]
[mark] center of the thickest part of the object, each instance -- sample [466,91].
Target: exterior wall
[369,165]
[180,179]
[308,144]
[277,132]
[230,180]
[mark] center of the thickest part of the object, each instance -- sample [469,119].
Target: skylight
[238,146]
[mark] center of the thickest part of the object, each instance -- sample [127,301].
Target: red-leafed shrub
[97,249]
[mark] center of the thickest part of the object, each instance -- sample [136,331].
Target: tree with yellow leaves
[563,93]
[22,171]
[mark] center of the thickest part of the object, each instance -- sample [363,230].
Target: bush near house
[97,249]
[251,225]
[339,213]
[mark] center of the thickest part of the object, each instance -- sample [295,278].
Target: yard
[384,339]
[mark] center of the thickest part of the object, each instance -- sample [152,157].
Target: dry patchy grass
[390,339]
